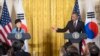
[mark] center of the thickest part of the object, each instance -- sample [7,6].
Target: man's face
[74,17]
[18,24]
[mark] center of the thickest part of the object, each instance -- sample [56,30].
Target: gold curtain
[41,15]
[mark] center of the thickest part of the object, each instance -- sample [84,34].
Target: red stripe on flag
[83,42]
[5,30]
[9,27]
[4,37]
[83,47]
[1,40]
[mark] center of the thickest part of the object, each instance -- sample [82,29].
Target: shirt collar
[76,21]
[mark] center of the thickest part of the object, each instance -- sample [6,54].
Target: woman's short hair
[17,20]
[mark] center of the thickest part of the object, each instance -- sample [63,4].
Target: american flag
[76,8]
[5,24]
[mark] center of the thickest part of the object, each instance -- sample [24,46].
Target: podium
[18,36]
[75,38]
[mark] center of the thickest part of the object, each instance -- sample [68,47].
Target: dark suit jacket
[79,28]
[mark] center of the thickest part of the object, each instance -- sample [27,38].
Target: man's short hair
[72,51]
[75,13]
[22,42]
[16,46]
[17,20]
[93,48]
[67,44]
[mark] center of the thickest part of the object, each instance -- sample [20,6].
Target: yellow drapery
[41,15]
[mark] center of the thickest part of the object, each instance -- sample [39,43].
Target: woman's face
[18,24]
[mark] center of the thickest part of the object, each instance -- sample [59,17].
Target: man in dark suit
[74,25]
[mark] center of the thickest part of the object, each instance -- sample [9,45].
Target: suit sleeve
[83,27]
[64,29]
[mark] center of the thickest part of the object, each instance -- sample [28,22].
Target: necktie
[74,24]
